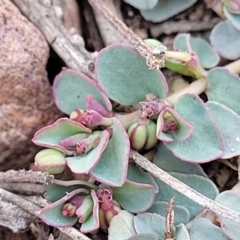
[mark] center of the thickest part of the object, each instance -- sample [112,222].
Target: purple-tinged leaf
[125,77]
[228,123]
[134,197]
[59,188]
[184,131]
[51,135]
[52,214]
[142,4]
[71,88]
[113,164]
[205,144]
[150,223]
[92,223]
[85,163]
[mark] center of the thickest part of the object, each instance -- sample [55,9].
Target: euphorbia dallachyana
[95,140]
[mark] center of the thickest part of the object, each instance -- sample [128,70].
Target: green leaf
[207,55]
[222,85]
[203,228]
[134,197]
[142,4]
[70,89]
[85,163]
[233,18]
[113,164]
[150,223]
[205,144]
[181,233]
[231,200]
[165,160]
[228,123]
[51,135]
[166,9]
[181,214]
[121,226]
[92,223]
[143,236]
[52,214]
[136,174]
[221,36]
[199,183]
[124,76]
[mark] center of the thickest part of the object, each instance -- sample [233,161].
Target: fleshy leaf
[150,223]
[166,9]
[165,160]
[181,214]
[136,174]
[142,4]
[203,228]
[51,135]
[228,122]
[181,232]
[71,88]
[112,166]
[125,77]
[92,222]
[221,36]
[121,226]
[134,197]
[231,200]
[143,236]
[199,183]
[233,18]
[205,144]
[85,163]
[185,129]
[52,214]
[207,55]
[222,85]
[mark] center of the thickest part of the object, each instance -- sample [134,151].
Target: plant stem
[127,119]
[184,189]
[181,56]
[234,67]
[197,87]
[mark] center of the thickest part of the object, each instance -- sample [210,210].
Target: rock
[26,101]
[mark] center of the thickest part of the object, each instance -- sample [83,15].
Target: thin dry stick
[154,58]
[34,210]
[26,176]
[184,189]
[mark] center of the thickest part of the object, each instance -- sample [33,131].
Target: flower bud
[69,209]
[50,160]
[71,142]
[85,210]
[142,134]
[233,6]
[109,207]
[90,118]
[87,144]
[170,125]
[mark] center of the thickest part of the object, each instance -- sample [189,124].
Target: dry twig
[184,189]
